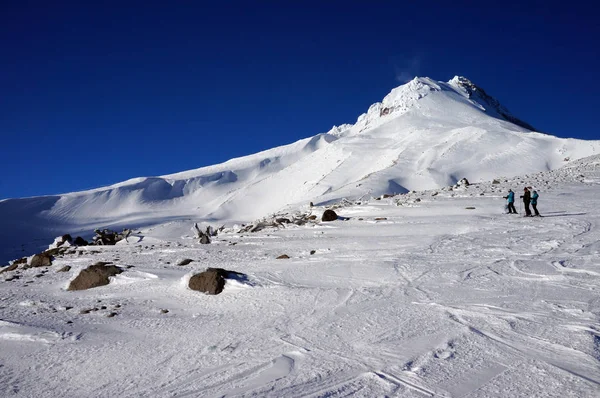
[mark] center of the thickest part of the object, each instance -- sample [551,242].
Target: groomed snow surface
[435,300]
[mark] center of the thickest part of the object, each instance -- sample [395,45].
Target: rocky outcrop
[478,94]
[205,236]
[79,241]
[108,237]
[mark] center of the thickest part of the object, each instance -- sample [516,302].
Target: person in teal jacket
[511,202]
[534,198]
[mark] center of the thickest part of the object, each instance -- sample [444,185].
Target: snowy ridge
[491,105]
[423,135]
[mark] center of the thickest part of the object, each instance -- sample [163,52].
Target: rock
[9,268]
[329,215]
[283,256]
[312,252]
[79,241]
[185,261]
[66,238]
[470,208]
[108,237]
[387,195]
[283,220]
[495,182]
[434,194]
[66,268]
[164,311]
[211,281]
[380,218]
[204,236]
[417,199]
[312,217]
[112,314]
[94,276]
[40,260]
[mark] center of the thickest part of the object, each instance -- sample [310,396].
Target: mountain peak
[491,104]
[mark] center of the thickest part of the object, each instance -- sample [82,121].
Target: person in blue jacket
[511,202]
[534,198]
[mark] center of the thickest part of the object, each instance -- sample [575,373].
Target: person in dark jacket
[526,199]
[534,198]
[511,202]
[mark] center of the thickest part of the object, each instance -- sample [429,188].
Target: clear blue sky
[94,93]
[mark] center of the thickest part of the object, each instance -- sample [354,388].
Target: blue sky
[92,95]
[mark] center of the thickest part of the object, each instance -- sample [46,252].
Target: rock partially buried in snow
[79,241]
[283,256]
[9,268]
[185,261]
[212,281]
[329,215]
[94,276]
[40,260]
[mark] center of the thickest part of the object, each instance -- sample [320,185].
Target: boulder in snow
[212,281]
[94,276]
[39,260]
[329,215]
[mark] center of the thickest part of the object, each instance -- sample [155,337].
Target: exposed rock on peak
[492,105]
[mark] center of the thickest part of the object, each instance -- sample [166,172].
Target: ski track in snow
[434,301]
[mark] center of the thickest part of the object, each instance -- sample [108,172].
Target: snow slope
[432,293]
[424,134]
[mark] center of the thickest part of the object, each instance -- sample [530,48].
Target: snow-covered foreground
[435,300]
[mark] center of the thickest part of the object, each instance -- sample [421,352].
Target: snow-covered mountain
[424,134]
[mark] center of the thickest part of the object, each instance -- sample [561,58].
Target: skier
[526,199]
[534,198]
[511,202]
